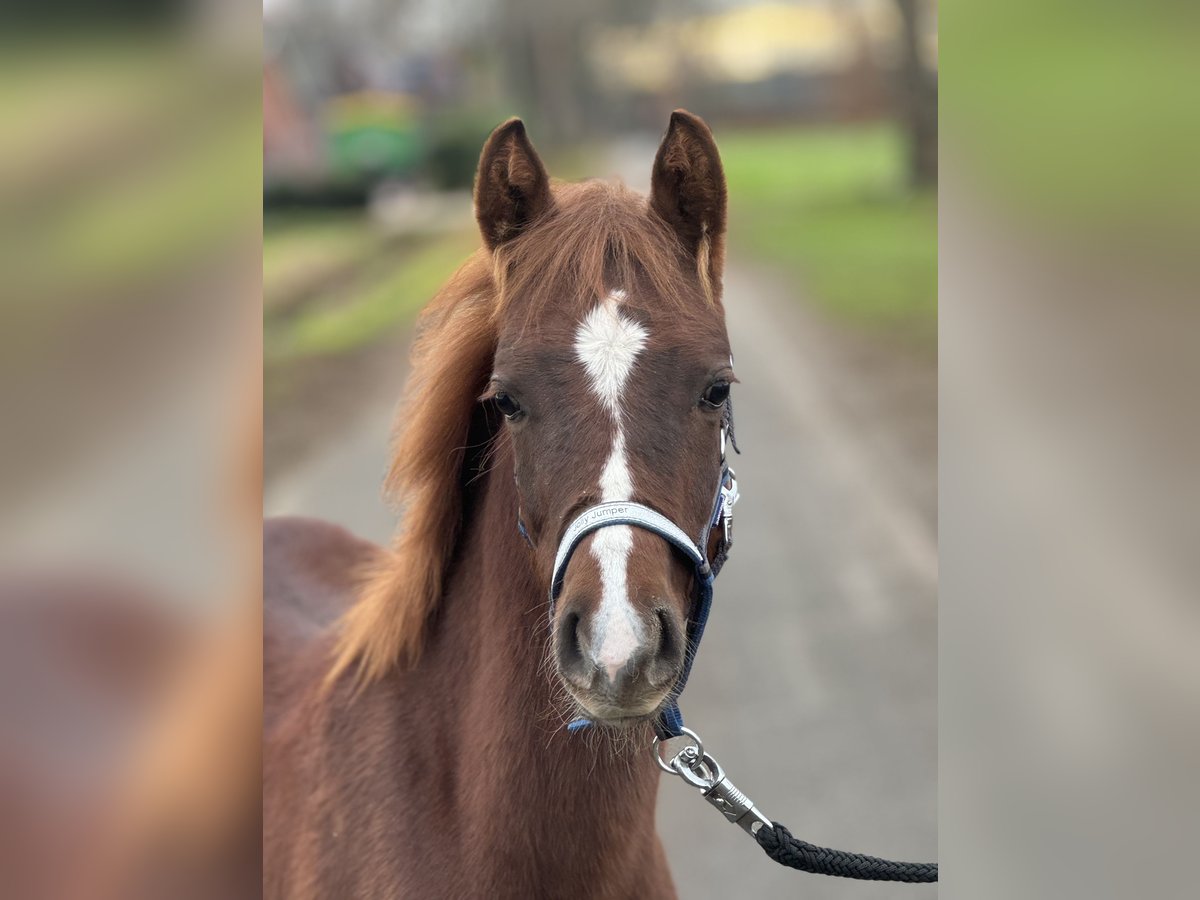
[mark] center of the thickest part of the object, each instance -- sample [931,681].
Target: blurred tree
[861,89]
[546,63]
[918,85]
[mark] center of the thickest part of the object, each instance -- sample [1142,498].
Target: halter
[625,512]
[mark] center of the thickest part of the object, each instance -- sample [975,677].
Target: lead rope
[702,771]
[786,850]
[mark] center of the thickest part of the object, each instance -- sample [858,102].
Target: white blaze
[608,343]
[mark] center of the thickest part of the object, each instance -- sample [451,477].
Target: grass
[1079,113]
[371,307]
[165,214]
[132,166]
[300,250]
[831,207]
[130,169]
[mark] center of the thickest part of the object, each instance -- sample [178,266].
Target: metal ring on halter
[658,742]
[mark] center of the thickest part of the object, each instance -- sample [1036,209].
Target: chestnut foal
[416,698]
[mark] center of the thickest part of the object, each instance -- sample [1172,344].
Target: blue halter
[670,721]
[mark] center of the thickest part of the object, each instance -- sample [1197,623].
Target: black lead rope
[702,771]
[777,842]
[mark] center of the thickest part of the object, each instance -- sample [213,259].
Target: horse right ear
[687,191]
[512,188]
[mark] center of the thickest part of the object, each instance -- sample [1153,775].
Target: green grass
[385,298]
[163,216]
[1079,113]
[130,169]
[299,250]
[831,208]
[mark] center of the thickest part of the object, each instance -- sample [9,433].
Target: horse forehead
[608,343]
[622,314]
[621,333]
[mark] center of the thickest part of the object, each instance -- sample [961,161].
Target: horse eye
[716,395]
[507,405]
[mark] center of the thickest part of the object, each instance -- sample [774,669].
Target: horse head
[612,372]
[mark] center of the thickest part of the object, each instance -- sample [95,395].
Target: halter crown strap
[620,512]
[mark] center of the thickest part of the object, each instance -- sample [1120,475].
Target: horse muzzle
[618,668]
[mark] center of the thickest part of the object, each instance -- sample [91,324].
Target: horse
[416,696]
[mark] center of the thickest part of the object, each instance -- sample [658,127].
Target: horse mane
[595,236]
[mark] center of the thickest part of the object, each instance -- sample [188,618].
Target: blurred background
[817,683]
[130,340]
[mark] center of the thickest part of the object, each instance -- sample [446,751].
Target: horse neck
[587,791]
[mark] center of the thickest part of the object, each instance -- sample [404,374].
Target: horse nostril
[666,634]
[665,664]
[570,643]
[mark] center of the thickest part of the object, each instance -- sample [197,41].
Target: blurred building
[758,61]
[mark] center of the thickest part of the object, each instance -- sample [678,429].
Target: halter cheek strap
[670,721]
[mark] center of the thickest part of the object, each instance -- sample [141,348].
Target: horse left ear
[511,187]
[687,190]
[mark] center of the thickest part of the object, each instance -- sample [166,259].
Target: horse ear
[512,188]
[687,190]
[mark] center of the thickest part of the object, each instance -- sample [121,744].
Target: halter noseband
[624,512]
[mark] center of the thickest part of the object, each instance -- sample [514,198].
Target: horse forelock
[597,236]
